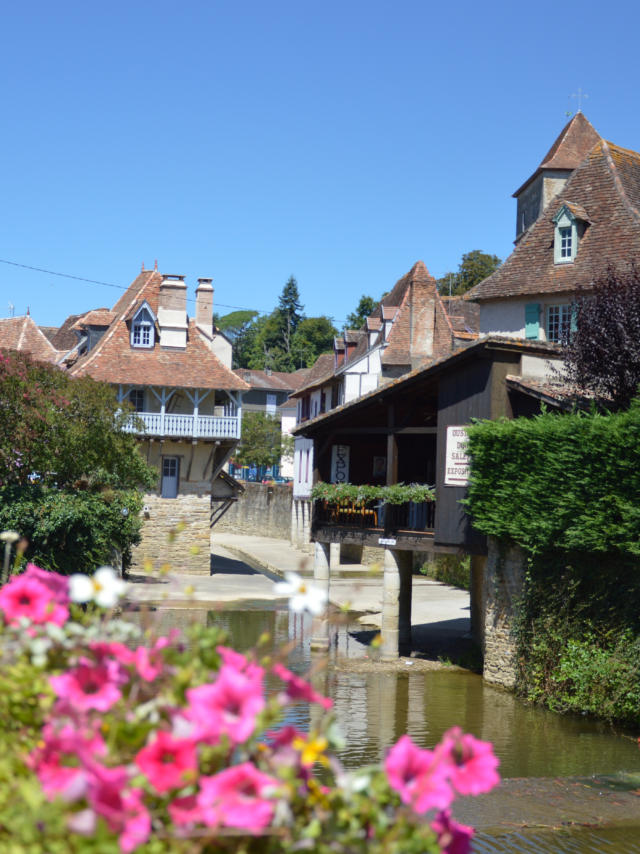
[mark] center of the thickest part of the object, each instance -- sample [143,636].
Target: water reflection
[375,707]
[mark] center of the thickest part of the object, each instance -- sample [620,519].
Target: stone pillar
[503,590]
[396,604]
[320,625]
[334,555]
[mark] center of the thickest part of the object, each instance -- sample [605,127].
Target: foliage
[235,326]
[261,442]
[602,353]
[69,474]
[69,528]
[579,635]
[454,570]
[364,309]
[473,268]
[565,482]
[112,740]
[283,340]
[398,493]
[313,336]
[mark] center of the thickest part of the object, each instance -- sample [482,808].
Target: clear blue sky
[338,141]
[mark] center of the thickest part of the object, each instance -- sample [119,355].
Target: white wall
[507,317]
[302,467]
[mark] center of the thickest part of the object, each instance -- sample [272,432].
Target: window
[136,397]
[142,329]
[565,241]
[558,322]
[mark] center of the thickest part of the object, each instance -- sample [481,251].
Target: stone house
[175,373]
[578,212]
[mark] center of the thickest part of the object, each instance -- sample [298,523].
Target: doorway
[170,473]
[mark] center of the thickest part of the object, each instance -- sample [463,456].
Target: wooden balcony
[371,522]
[180,426]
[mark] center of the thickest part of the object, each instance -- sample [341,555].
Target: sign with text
[340,464]
[456,471]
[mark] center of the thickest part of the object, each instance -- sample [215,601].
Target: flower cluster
[178,740]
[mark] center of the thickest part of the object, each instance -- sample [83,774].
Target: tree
[313,336]
[365,307]
[602,350]
[69,474]
[236,326]
[261,442]
[473,268]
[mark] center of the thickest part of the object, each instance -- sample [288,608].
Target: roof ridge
[633,210]
[111,331]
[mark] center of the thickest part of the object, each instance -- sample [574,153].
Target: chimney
[172,312]
[204,306]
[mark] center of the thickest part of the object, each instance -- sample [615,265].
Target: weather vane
[579,95]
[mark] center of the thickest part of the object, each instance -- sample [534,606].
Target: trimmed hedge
[569,482]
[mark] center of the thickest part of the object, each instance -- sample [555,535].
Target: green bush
[454,570]
[565,482]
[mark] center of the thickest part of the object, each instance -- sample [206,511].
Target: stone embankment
[176,533]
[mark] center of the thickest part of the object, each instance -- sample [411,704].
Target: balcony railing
[185,426]
[415,516]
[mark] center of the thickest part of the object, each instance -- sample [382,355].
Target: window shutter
[532,320]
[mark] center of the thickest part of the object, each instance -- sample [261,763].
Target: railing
[418,516]
[198,427]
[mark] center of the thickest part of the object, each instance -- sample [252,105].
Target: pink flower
[58,585]
[168,762]
[232,658]
[185,811]
[227,706]
[472,763]
[453,838]
[299,689]
[418,776]
[88,686]
[56,761]
[236,798]
[30,598]
[136,827]
[149,662]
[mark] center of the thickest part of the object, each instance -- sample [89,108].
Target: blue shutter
[574,319]
[532,320]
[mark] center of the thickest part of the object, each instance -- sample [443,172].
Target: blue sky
[338,142]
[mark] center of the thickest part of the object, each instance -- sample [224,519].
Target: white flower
[104,587]
[302,595]
[9,536]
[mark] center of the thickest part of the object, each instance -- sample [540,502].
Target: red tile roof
[607,186]
[21,333]
[113,360]
[276,380]
[573,144]
[96,317]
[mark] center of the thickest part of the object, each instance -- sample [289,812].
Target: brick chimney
[422,309]
[172,312]
[204,306]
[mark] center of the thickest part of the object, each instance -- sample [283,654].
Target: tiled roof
[65,338]
[276,380]
[49,332]
[607,185]
[463,315]
[415,287]
[113,360]
[578,211]
[21,333]
[555,393]
[96,317]
[433,369]
[573,144]
[322,370]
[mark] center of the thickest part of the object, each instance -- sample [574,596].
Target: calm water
[375,708]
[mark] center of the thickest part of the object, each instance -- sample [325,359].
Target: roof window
[143,330]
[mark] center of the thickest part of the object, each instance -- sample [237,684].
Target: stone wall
[502,591]
[262,511]
[176,532]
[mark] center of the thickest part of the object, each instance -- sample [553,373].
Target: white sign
[456,471]
[340,464]
[387,541]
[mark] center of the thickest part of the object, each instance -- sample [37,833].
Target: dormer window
[569,225]
[143,329]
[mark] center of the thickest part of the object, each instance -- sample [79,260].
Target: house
[23,334]
[578,212]
[411,326]
[269,393]
[175,372]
